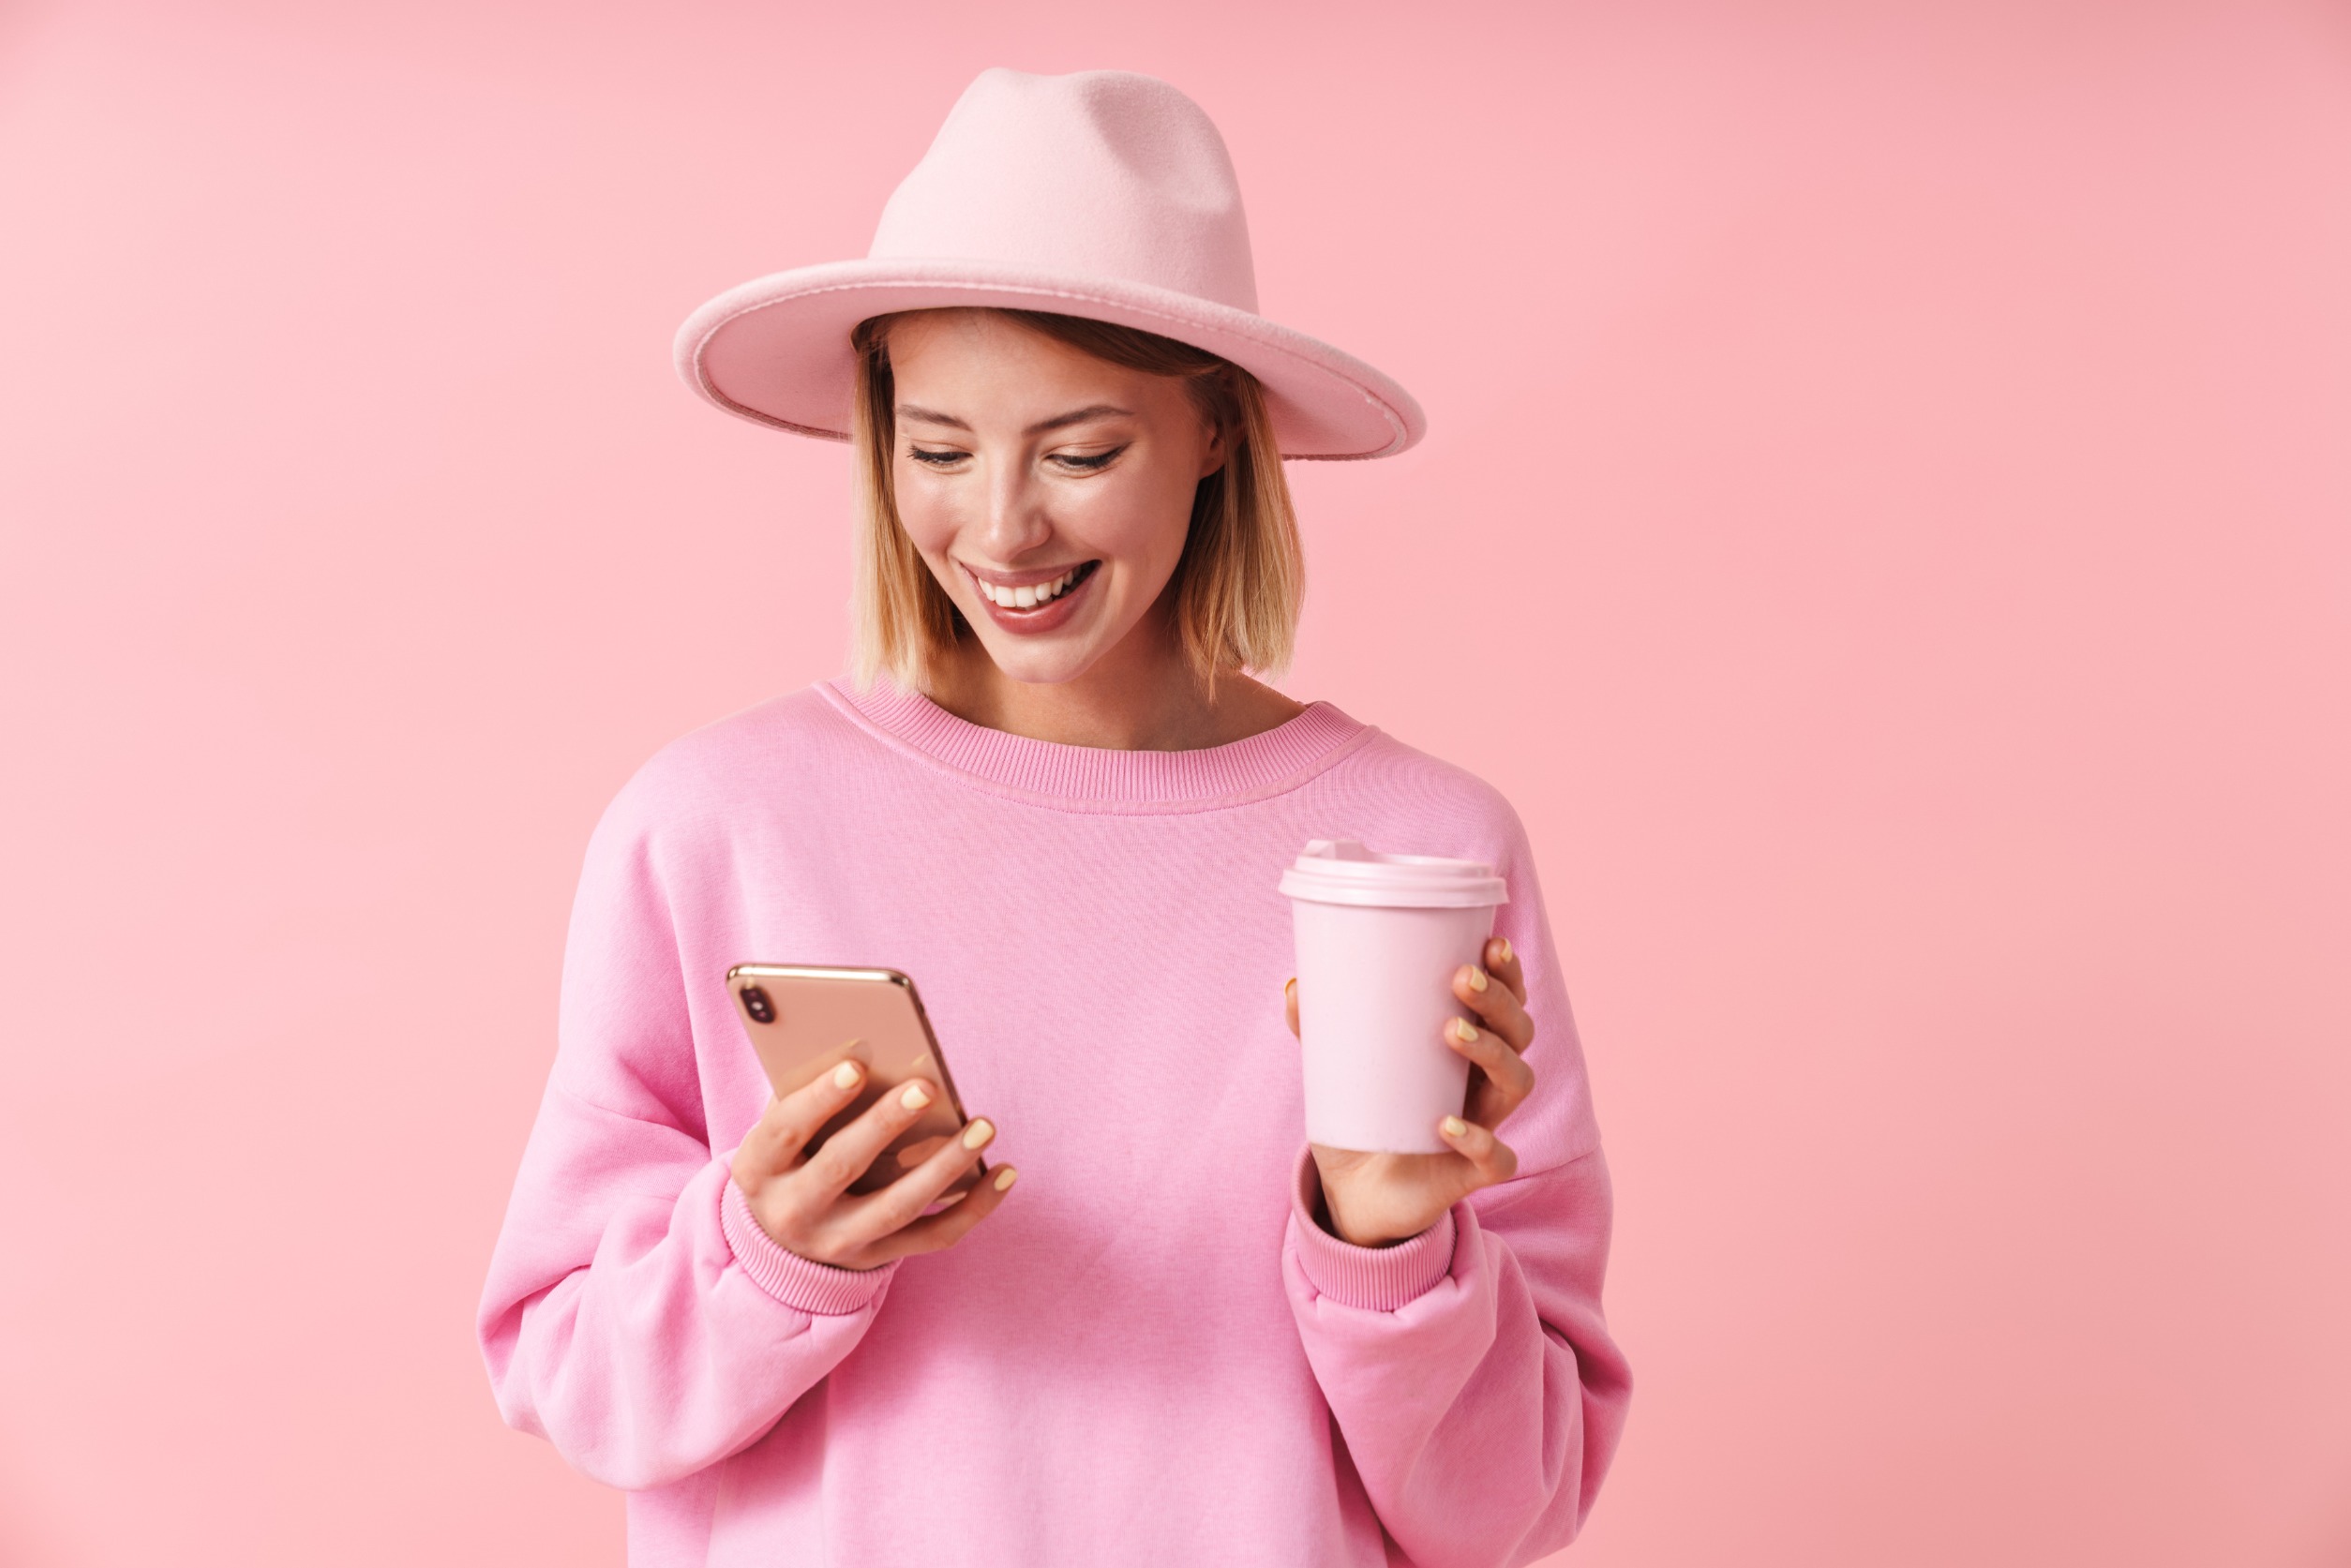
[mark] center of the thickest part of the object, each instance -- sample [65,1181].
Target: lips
[1051,599]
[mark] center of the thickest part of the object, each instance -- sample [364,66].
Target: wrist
[821,1289]
[1333,1225]
[1385,1277]
[1340,1210]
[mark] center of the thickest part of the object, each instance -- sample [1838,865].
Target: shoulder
[765,754]
[1429,802]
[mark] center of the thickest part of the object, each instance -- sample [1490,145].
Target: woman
[1054,799]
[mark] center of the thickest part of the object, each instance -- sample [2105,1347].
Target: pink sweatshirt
[1151,1353]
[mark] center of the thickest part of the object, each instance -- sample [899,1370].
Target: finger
[791,1120]
[949,1226]
[1289,1002]
[902,1203]
[849,1152]
[1487,1104]
[1494,1006]
[1508,1078]
[1502,962]
[1489,1156]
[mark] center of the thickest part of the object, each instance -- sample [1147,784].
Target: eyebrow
[1060,421]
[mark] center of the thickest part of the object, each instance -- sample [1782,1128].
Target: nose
[1016,521]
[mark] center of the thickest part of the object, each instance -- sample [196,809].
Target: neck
[1142,696]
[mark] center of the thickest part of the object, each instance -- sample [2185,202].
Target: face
[1048,490]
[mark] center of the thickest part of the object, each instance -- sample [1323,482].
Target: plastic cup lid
[1341,870]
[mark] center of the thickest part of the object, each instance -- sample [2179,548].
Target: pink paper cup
[1380,937]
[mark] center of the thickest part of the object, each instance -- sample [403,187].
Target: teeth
[1031,596]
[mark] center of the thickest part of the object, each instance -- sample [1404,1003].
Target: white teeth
[1030,596]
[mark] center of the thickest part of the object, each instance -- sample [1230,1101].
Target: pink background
[1884,523]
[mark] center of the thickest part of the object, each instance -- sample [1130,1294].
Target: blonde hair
[1238,582]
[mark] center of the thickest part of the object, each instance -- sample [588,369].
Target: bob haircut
[1236,585]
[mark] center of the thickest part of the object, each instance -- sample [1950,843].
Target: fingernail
[916,1095]
[978,1133]
[1504,942]
[1290,985]
[1475,976]
[1464,1031]
[1455,1126]
[844,1076]
[1005,1178]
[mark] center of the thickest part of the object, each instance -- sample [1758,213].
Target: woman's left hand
[1376,1200]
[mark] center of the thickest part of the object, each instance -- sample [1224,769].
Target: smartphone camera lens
[756,1003]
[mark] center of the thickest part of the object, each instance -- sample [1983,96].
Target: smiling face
[1049,491]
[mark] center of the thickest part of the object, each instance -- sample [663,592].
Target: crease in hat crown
[1103,194]
[1106,173]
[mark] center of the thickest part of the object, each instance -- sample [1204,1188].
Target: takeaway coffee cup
[1380,937]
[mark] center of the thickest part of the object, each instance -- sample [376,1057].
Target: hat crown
[1102,174]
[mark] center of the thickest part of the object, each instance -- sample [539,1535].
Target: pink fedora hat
[1100,194]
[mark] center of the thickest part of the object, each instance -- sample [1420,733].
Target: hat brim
[777,348]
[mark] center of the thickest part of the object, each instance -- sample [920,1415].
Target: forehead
[978,364]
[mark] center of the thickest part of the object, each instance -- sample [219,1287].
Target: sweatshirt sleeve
[636,1315]
[1470,1369]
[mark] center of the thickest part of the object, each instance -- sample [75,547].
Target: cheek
[1140,520]
[926,512]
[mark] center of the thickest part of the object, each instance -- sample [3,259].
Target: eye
[1086,462]
[937,458]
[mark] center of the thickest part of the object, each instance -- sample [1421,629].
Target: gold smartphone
[804,1022]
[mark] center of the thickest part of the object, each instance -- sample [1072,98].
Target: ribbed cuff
[1376,1278]
[790,1278]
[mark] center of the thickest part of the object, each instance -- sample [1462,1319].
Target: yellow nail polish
[916,1097]
[978,1133]
[1455,1126]
[1005,1178]
[1464,1031]
[1505,942]
[1476,977]
[844,1076]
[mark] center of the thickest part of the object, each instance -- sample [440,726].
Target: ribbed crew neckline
[1089,778]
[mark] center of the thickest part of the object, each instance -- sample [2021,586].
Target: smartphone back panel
[804,1022]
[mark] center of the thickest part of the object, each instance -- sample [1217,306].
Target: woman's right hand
[802,1200]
